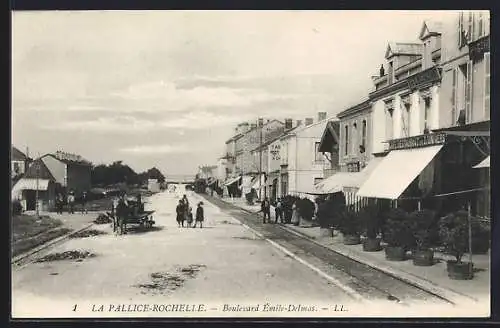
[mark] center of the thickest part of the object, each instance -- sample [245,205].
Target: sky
[167,88]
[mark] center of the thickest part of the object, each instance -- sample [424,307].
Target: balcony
[424,78]
[328,172]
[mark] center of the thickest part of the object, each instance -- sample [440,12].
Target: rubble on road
[102,219]
[67,255]
[88,233]
[170,281]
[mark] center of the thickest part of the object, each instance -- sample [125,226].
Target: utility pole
[37,167]
[260,158]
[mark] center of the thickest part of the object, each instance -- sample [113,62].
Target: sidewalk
[433,278]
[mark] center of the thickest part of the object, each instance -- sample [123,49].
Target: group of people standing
[71,202]
[289,210]
[185,214]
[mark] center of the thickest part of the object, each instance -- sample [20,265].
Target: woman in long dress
[295,214]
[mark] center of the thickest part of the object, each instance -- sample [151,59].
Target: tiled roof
[403,48]
[44,172]
[17,155]
[433,26]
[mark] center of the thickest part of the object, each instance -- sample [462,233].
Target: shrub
[481,235]
[350,223]
[423,225]
[453,230]
[398,230]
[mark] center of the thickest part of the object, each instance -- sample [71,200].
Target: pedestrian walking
[84,202]
[200,215]
[59,203]
[71,202]
[278,211]
[180,213]
[265,208]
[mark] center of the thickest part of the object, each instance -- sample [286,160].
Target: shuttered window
[460,29]
[468,93]
[487,85]
[454,114]
[405,117]
[470,26]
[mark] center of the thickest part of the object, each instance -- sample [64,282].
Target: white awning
[31,184]
[246,183]
[259,182]
[230,181]
[484,164]
[341,180]
[396,171]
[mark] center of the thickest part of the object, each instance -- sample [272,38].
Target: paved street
[234,266]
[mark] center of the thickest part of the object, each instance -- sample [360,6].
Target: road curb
[48,244]
[444,293]
[428,286]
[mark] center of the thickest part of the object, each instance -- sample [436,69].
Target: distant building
[153,185]
[19,162]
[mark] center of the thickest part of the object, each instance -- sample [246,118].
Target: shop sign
[418,141]
[275,152]
[424,78]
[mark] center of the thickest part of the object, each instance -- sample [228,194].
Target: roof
[44,172]
[432,27]
[301,128]
[355,108]
[69,158]
[403,48]
[330,137]
[17,155]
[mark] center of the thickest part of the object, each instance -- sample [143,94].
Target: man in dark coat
[179,210]
[200,215]
[265,208]
[278,211]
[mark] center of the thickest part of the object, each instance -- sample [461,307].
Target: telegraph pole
[37,167]
[260,159]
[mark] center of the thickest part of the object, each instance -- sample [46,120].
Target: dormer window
[389,125]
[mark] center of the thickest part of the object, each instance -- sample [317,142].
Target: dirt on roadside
[164,282]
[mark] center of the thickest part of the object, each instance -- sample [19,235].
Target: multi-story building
[246,162]
[330,147]
[302,162]
[19,163]
[428,123]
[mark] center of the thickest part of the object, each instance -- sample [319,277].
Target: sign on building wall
[274,156]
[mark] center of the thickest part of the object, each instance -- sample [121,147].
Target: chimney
[382,71]
[299,122]
[288,123]
[309,121]
[321,116]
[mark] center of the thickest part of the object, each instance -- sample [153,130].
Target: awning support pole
[469,221]
[419,205]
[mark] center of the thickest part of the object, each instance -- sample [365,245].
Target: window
[405,117]
[427,109]
[480,25]
[470,26]
[454,111]
[468,93]
[354,143]
[390,76]
[487,85]
[346,140]
[389,111]
[363,137]
[318,156]
[17,168]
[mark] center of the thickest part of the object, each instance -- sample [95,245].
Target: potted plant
[372,226]
[454,234]
[481,236]
[397,235]
[423,226]
[350,227]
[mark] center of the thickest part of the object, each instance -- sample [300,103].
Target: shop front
[433,171]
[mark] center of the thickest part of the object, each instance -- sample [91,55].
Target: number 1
[74,308]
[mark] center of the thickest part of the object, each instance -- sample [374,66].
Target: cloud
[156,149]
[124,124]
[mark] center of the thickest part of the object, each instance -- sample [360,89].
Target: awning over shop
[246,184]
[30,184]
[258,183]
[341,180]
[230,181]
[484,164]
[396,171]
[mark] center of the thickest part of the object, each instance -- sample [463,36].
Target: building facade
[302,162]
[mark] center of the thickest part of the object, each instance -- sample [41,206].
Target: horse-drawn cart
[137,216]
